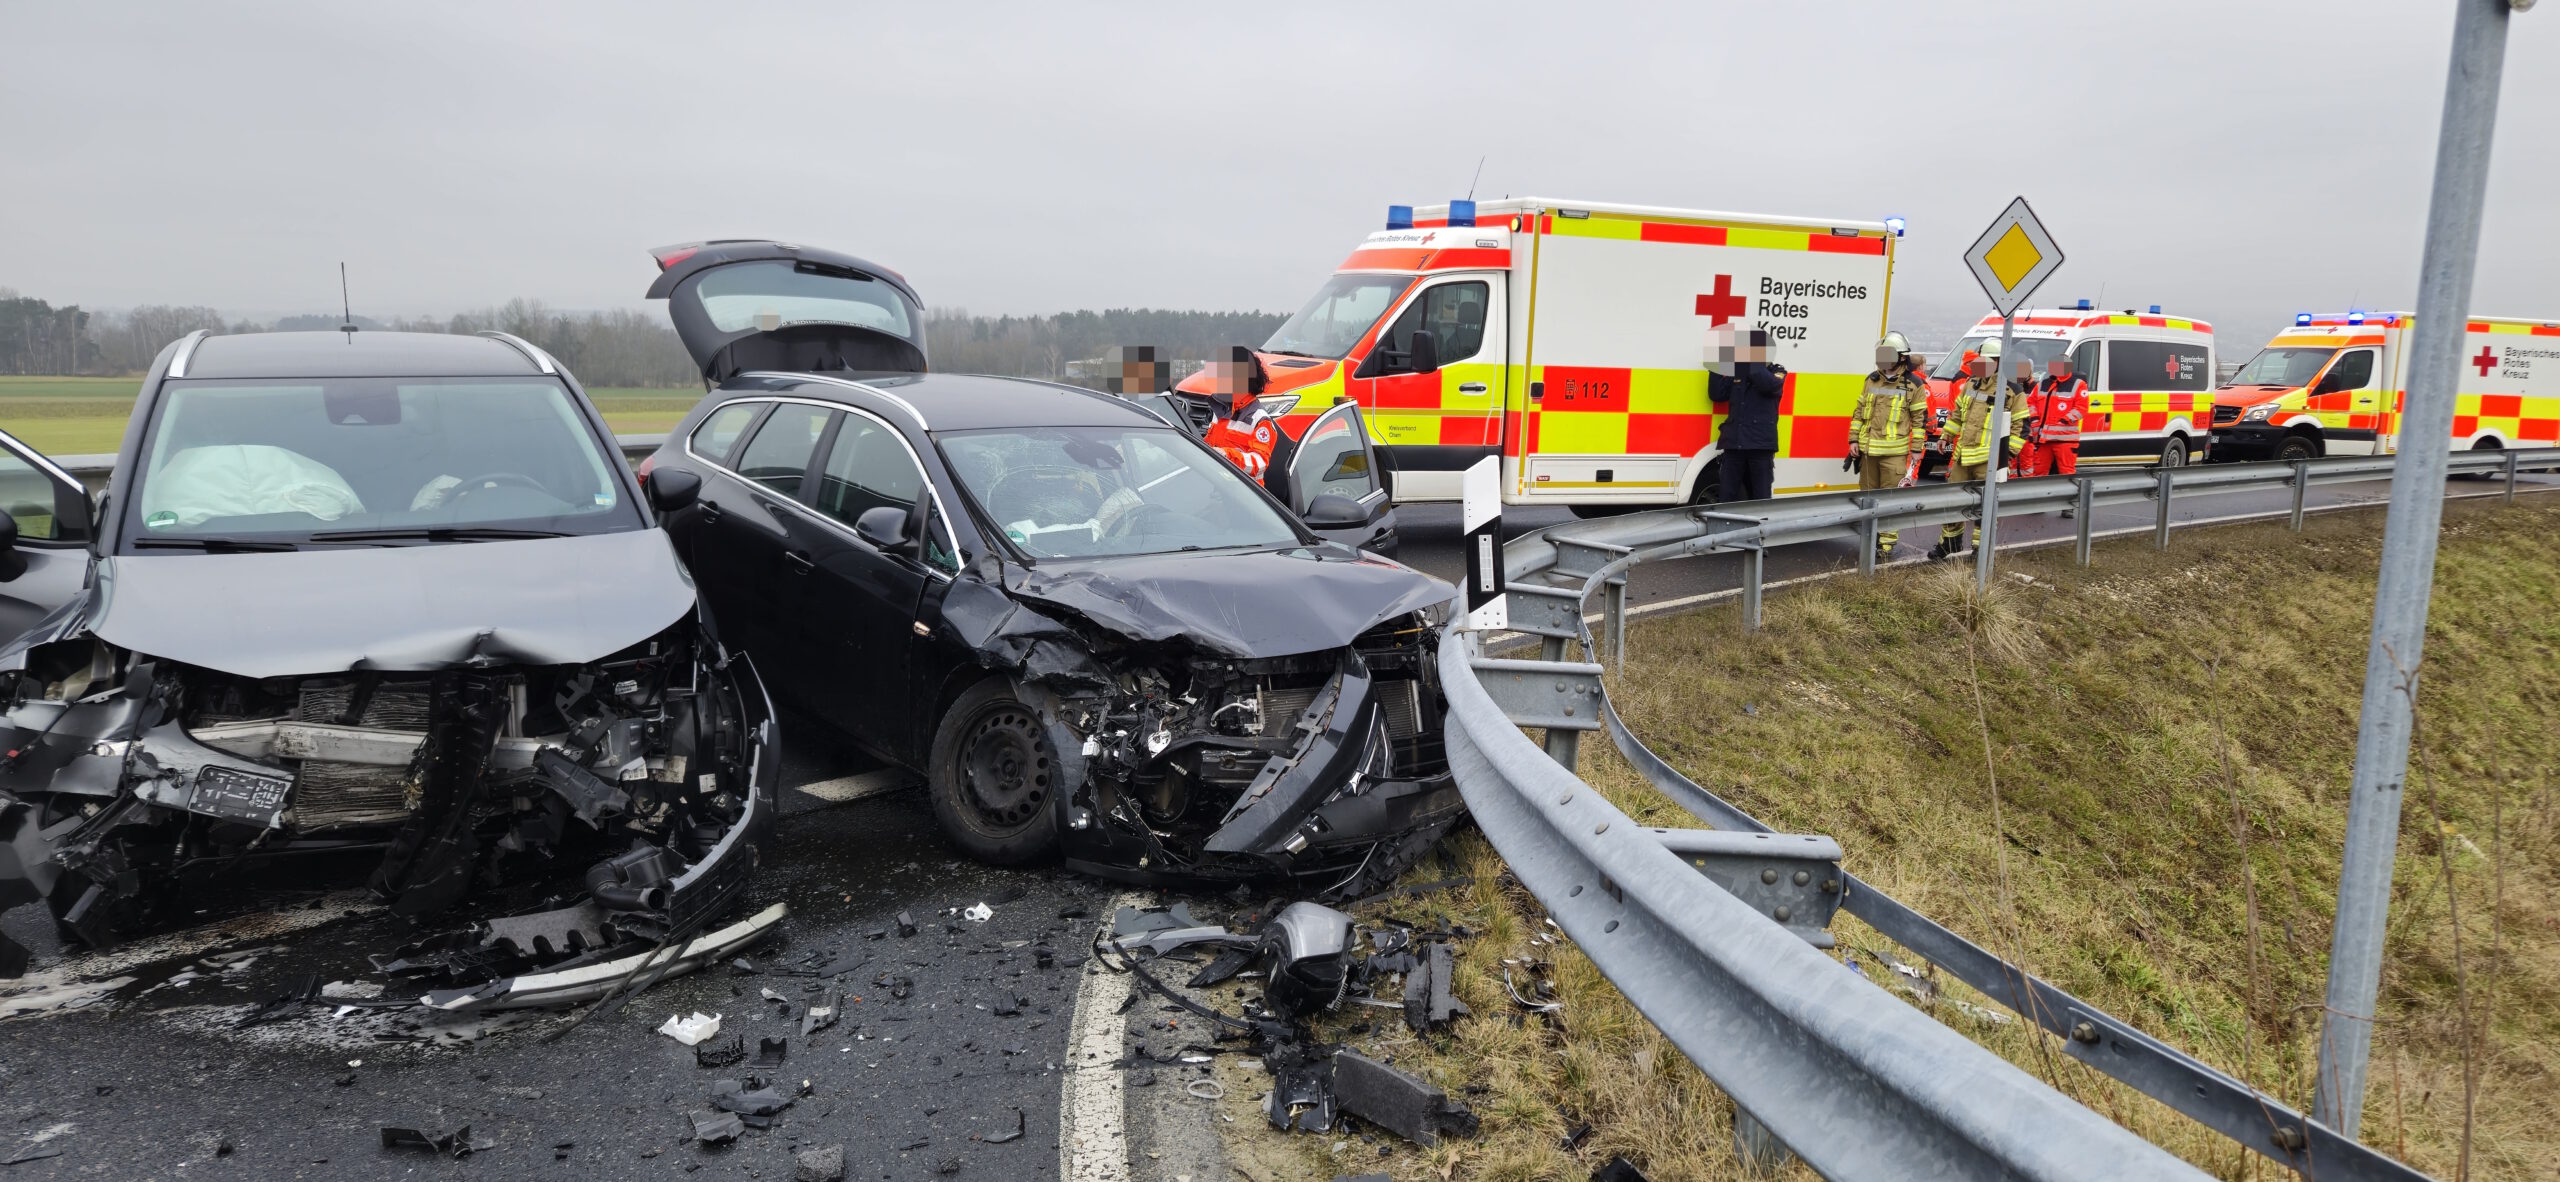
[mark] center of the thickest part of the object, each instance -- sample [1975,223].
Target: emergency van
[1571,339]
[2150,379]
[2333,384]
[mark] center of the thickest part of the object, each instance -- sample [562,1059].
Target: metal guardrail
[1717,942]
[93,470]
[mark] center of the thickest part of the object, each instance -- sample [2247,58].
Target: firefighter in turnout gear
[1890,423]
[1973,454]
[2057,407]
[1242,432]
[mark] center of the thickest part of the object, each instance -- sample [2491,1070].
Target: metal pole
[1759,1150]
[1751,573]
[1999,431]
[2511,478]
[2409,557]
[1613,622]
[1563,746]
[1868,530]
[2302,484]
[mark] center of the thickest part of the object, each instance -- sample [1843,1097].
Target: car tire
[995,777]
[2295,447]
[2173,454]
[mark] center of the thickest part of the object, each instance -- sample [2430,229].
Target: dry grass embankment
[1851,714]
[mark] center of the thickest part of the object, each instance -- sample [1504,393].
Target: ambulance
[2333,384]
[2150,379]
[1570,338]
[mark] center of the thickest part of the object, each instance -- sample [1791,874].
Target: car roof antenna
[346,307]
[1471,181]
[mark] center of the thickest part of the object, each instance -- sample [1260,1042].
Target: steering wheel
[477,483]
[1127,523]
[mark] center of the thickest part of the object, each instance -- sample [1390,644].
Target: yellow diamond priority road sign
[2013,257]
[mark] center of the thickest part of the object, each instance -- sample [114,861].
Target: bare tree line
[619,348]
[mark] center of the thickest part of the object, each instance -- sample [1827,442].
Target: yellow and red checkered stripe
[2146,410]
[2517,417]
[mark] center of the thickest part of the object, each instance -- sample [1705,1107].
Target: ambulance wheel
[1710,479]
[1588,512]
[2173,454]
[2296,447]
[995,777]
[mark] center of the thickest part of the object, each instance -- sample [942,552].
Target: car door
[861,623]
[48,564]
[1434,425]
[2349,403]
[745,535]
[1336,458]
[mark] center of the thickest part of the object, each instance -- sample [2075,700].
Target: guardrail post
[1752,568]
[1613,623]
[2160,536]
[1551,648]
[1758,1149]
[1867,531]
[2087,509]
[2511,478]
[2301,485]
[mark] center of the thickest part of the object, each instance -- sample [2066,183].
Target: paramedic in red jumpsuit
[1242,431]
[2058,405]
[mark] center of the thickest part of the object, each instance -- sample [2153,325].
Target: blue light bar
[2355,317]
[2083,306]
[2155,309]
[1462,213]
[1399,217]
[1895,225]
[2302,318]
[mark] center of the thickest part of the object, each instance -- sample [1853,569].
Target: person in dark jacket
[1745,386]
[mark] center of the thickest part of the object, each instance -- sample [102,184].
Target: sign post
[1480,521]
[2010,260]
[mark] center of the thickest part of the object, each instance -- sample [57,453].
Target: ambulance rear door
[1432,425]
[2509,391]
[1617,409]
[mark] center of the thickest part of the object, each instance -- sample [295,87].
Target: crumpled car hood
[1272,603]
[544,601]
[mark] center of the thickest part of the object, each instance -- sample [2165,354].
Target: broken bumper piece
[588,982]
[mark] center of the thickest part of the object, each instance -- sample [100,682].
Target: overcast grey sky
[2235,160]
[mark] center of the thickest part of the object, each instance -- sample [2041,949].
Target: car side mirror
[12,563]
[1334,511]
[1425,353]
[672,489]
[884,527]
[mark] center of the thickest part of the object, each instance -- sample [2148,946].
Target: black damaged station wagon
[1090,634]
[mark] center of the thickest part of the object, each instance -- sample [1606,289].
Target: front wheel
[995,776]
[2173,454]
[2296,447]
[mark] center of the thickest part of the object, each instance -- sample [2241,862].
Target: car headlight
[1279,404]
[2261,412]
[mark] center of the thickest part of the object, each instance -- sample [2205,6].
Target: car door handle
[1471,387]
[798,562]
[710,511]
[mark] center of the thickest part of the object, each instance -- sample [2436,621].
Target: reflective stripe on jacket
[2059,405]
[1891,413]
[1972,420]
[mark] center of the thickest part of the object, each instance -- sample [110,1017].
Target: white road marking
[1093,1141]
[846,789]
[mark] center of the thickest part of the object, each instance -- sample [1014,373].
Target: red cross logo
[1723,304]
[2485,360]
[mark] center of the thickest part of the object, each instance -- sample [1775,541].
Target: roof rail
[540,359]
[187,349]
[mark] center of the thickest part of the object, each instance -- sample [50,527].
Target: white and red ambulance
[1570,339]
[2334,384]
[2150,379]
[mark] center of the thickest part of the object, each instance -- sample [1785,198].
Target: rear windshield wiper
[212,545]
[436,533]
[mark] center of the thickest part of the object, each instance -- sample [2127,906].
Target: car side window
[2084,362]
[27,495]
[778,456]
[718,433]
[1453,313]
[1332,459]
[2354,371]
[2157,365]
[869,468]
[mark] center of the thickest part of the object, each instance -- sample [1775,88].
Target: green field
[86,416]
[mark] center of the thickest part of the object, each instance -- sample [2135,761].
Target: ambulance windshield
[2282,367]
[2037,351]
[1333,321]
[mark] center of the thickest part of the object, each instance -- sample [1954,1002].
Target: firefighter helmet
[1894,341]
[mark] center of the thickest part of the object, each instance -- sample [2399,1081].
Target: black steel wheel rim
[1005,768]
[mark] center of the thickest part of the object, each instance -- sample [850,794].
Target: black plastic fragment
[1224,968]
[1619,1169]
[770,1052]
[718,1054]
[1019,1126]
[712,1128]
[1302,1094]
[731,1095]
[457,1144]
[589,795]
[1428,1004]
[906,924]
[1398,1101]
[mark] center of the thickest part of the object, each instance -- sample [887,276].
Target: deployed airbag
[243,480]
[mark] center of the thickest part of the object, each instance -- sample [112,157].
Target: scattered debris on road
[713,1128]
[818,1165]
[691,1031]
[456,1144]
